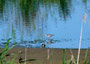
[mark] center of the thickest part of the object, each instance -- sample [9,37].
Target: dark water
[28,21]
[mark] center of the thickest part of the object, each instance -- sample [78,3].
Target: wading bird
[49,35]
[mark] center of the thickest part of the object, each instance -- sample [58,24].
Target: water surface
[28,21]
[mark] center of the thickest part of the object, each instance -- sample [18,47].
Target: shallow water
[29,21]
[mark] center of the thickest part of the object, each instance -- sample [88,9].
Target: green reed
[63,56]
[85,59]
[4,52]
[71,61]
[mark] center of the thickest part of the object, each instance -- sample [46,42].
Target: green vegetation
[63,56]
[3,53]
[73,60]
[85,60]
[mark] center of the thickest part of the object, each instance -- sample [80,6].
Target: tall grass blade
[85,59]
[13,60]
[88,63]
[1,61]
[84,17]
[63,56]
[80,43]
[5,49]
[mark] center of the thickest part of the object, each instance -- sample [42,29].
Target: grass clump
[3,54]
[73,60]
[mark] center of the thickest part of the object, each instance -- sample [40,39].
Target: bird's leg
[50,40]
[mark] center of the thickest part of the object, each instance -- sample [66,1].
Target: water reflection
[85,1]
[1,7]
[27,21]
[64,7]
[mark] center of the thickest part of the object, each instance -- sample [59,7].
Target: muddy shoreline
[46,55]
